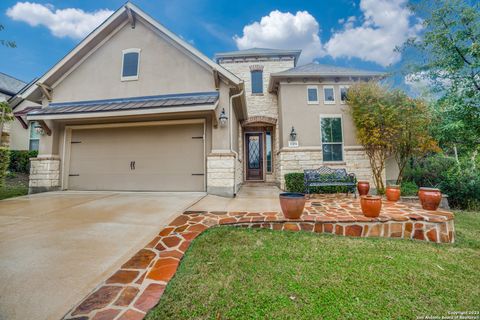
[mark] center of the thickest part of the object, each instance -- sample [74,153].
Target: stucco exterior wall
[20,137]
[163,69]
[297,112]
[305,117]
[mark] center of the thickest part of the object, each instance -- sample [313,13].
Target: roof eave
[44,79]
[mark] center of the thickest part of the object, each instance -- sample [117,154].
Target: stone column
[44,174]
[221,174]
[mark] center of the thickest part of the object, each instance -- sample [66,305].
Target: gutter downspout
[231,133]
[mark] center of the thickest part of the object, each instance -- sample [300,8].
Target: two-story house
[135,107]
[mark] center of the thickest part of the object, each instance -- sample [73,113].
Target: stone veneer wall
[221,169]
[44,174]
[265,104]
[299,159]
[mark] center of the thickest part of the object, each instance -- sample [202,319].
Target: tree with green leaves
[414,138]
[389,123]
[7,43]
[447,55]
[5,116]
[374,113]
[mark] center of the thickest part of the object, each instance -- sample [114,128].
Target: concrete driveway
[56,247]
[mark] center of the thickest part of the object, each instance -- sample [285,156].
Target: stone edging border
[139,284]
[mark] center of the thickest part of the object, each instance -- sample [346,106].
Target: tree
[374,113]
[414,137]
[5,116]
[7,43]
[448,55]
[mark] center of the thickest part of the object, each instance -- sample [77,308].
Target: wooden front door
[254,149]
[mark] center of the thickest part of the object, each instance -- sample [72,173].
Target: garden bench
[328,177]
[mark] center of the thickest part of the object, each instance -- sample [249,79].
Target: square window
[312,95]
[257,81]
[329,95]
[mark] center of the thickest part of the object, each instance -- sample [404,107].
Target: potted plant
[292,204]
[430,198]
[393,193]
[371,205]
[363,187]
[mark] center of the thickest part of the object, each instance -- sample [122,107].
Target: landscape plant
[4,162]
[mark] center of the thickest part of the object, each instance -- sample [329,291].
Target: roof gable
[128,12]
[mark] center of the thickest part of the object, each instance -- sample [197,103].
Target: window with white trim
[332,138]
[312,95]
[343,94]
[328,95]
[34,138]
[130,64]
[257,81]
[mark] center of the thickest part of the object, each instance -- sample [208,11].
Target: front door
[254,156]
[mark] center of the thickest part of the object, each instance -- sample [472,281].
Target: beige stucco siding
[296,112]
[163,69]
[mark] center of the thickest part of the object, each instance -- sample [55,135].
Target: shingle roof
[258,52]
[10,85]
[316,69]
[135,103]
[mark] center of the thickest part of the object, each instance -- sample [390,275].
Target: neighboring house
[24,134]
[9,86]
[135,107]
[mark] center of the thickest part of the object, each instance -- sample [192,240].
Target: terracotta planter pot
[393,193]
[371,206]
[292,204]
[430,198]
[363,187]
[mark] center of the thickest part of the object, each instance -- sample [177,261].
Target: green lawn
[16,184]
[236,273]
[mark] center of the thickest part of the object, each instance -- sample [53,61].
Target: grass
[234,273]
[16,184]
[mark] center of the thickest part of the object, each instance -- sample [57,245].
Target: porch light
[293,134]
[223,118]
[39,130]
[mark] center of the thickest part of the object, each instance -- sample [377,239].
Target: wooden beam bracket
[131,17]
[45,127]
[46,90]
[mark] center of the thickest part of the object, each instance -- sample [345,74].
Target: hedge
[294,182]
[4,161]
[20,160]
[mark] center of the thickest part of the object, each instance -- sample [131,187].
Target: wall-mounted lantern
[39,129]
[223,118]
[293,134]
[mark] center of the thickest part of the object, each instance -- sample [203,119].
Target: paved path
[56,247]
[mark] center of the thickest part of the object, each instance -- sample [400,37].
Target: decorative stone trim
[221,174]
[259,119]
[256,67]
[139,284]
[44,174]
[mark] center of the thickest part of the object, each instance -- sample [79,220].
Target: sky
[349,33]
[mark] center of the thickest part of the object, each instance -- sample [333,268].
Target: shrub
[20,160]
[428,171]
[409,188]
[294,182]
[4,161]
[462,185]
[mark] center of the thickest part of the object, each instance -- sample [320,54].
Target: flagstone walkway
[138,286]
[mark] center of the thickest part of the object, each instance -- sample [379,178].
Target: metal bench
[328,177]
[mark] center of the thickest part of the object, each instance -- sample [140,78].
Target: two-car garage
[161,156]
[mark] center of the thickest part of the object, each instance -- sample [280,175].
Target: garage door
[146,158]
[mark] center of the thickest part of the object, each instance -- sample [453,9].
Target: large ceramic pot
[363,187]
[393,193]
[430,198]
[371,206]
[292,204]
